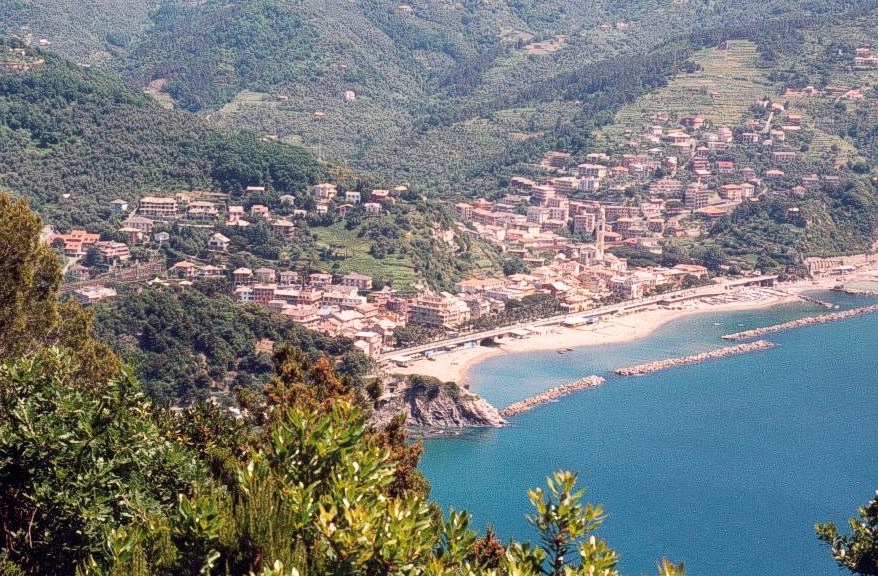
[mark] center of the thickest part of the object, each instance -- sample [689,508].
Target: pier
[812,300]
[694,359]
[834,317]
[551,394]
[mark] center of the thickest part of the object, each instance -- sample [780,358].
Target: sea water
[724,465]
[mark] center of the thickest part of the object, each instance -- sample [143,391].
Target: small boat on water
[564,350]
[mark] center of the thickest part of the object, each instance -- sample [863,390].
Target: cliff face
[431,405]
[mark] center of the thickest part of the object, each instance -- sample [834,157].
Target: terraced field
[722,91]
[351,254]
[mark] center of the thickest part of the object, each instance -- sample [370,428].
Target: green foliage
[75,461]
[564,524]
[182,342]
[29,282]
[833,220]
[530,307]
[96,482]
[637,256]
[413,335]
[259,45]
[857,551]
[31,317]
[71,131]
[426,387]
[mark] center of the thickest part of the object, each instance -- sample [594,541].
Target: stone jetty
[834,317]
[694,359]
[551,394]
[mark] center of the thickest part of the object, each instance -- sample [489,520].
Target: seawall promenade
[551,394]
[834,317]
[694,359]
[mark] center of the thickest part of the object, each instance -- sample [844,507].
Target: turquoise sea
[725,465]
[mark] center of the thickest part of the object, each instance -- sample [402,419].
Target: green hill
[438,93]
[73,139]
[807,68]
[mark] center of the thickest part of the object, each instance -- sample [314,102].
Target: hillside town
[670,181]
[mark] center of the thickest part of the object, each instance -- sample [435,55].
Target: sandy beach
[454,365]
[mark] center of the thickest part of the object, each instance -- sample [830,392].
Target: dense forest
[185,345]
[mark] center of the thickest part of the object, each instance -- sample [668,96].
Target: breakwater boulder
[834,317]
[695,358]
[550,395]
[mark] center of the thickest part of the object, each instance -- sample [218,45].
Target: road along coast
[694,359]
[834,317]
[551,394]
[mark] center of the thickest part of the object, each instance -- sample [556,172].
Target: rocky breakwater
[834,317]
[550,395]
[694,359]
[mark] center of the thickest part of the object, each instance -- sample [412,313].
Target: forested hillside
[440,93]
[73,139]
[185,345]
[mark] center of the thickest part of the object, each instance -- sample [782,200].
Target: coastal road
[627,306]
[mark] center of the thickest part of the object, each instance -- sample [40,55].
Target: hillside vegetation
[440,93]
[186,346]
[73,139]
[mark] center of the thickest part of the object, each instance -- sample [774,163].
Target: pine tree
[31,316]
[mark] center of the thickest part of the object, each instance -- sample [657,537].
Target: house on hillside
[135,235]
[113,252]
[119,206]
[218,243]
[259,210]
[158,208]
[324,191]
[265,275]
[202,211]
[283,228]
[75,243]
[380,195]
[289,278]
[234,214]
[91,294]
[359,281]
[783,156]
[183,270]
[139,222]
[242,277]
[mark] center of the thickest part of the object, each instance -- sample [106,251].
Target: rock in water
[431,405]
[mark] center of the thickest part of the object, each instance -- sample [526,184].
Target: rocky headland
[433,406]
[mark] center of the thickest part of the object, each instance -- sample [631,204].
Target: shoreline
[456,364]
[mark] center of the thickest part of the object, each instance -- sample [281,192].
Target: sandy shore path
[454,365]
